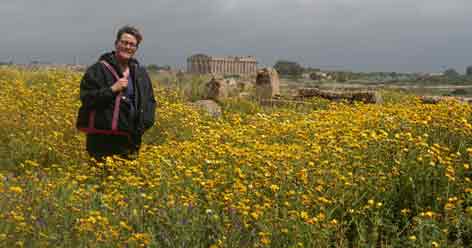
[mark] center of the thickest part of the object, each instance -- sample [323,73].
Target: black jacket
[96,94]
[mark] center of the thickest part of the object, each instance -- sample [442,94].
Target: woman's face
[126,46]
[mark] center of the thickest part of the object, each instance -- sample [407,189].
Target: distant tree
[153,67]
[288,68]
[165,67]
[311,70]
[451,73]
[468,70]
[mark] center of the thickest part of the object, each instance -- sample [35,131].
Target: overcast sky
[358,35]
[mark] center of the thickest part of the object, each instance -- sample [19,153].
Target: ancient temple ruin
[204,64]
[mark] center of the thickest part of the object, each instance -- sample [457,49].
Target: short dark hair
[129,30]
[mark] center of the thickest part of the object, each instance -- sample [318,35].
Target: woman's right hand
[121,84]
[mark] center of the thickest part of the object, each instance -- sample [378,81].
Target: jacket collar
[110,58]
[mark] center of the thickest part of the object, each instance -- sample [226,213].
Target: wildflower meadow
[330,174]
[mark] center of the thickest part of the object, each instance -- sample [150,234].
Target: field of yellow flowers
[333,175]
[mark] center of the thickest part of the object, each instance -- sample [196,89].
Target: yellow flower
[469,150]
[304,215]
[429,214]
[16,189]
[265,240]
[405,211]
[125,226]
[449,206]
[469,210]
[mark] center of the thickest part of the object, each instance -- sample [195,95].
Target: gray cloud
[366,35]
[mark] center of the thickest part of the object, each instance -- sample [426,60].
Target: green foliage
[241,106]
[310,70]
[398,97]
[460,92]
[288,68]
[188,88]
[154,67]
[451,73]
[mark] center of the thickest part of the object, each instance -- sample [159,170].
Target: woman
[117,98]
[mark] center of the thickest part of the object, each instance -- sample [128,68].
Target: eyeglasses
[127,43]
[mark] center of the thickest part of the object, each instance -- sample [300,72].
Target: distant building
[204,64]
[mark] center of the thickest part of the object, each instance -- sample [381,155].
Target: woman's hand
[122,83]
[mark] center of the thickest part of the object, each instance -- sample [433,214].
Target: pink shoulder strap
[116,109]
[110,68]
